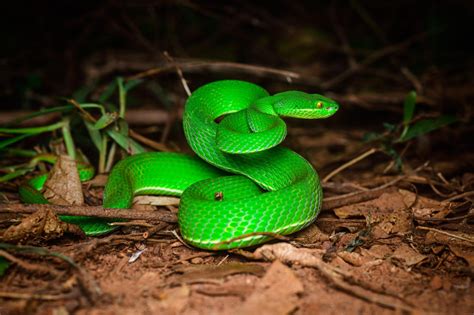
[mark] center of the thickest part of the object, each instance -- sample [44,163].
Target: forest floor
[386,241]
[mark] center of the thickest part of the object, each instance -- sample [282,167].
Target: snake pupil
[319,104]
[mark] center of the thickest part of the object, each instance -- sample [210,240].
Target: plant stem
[110,158]
[68,140]
[122,97]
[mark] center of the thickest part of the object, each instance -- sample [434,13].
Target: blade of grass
[63,109]
[125,142]
[122,97]
[33,130]
[408,110]
[409,107]
[95,135]
[109,90]
[5,143]
[15,174]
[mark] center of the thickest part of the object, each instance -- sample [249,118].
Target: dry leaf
[449,238]
[465,252]
[276,293]
[423,207]
[408,255]
[63,186]
[355,259]
[378,251]
[41,225]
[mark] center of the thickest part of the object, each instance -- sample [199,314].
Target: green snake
[242,188]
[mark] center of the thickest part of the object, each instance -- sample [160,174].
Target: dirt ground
[400,246]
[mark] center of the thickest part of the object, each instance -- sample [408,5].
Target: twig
[446,233]
[445,219]
[350,163]
[341,279]
[91,211]
[152,144]
[175,234]
[465,194]
[343,38]
[26,265]
[377,55]
[179,72]
[36,296]
[352,198]
[199,65]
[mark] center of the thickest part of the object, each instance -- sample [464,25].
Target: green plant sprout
[410,128]
[109,127]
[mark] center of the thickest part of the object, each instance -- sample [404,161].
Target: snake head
[303,105]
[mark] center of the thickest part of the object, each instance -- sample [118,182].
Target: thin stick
[377,55]
[350,163]
[179,72]
[446,233]
[190,65]
[91,211]
[146,141]
[352,198]
[465,194]
[35,296]
[26,265]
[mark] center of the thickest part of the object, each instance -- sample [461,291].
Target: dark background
[367,55]
[47,45]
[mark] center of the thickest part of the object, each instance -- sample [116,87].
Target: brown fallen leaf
[424,207]
[449,238]
[63,186]
[39,226]
[355,259]
[408,255]
[378,251]
[465,252]
[276,293]
[312,234]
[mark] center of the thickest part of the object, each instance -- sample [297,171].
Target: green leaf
[33,130]
[371,136]
[109,90]
[5,143]
[81,94]
[128,144]
[105,120]
[95,134]
[424,126]
[409,107]
[389,127]
[131,84]
[14,174]
[4,264]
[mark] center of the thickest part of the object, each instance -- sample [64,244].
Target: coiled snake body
[242,186]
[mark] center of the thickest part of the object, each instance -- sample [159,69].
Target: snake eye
[319,104]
